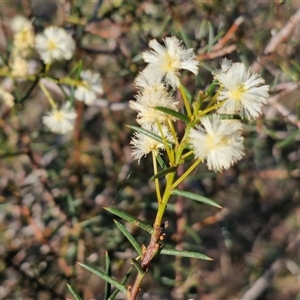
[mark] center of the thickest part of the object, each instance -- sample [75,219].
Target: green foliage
[147,133]
[105,277]
[130,238]
[173,113]
[189,254]
[137,222]
[195,197]
[74,293]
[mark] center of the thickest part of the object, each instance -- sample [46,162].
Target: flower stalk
[206,137]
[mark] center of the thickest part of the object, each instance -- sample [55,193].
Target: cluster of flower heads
[217,141]
[62,120]
[53,44]
[162,72]
[22,43]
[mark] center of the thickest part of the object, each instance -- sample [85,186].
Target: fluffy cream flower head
[153,94]
[54,44]
[165,63]
[19,23]
[90,86]
[19,67]
[218,142]
[6,98]
[242,92]
[143,144]
[23,35]
[60,120]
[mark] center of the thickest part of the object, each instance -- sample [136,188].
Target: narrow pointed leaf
[67,95]
[137,266]
[72,208]
[187,94]
[148,133]
[185,38]
[203,29]
[189,157]
[105,277]
[195,197]
[161,162]
[210,36]
[173,113]
[77,68]
[73,292]
[286,142]
[130,219]
[192,233]
[108,272]
[90,221]
[130,238]
[124,281]
[211,89]
[183,253]
[163,173]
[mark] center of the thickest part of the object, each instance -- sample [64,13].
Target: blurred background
[53,188]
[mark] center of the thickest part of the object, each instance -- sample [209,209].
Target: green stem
[157,188]
[214,98]
[185,101]
[167,147]
[186,173]
[163,204]
[47,68]
[48,96]
[173,131]
[175,158]
[182,144]
[153,246]
[207,110]
[184,156]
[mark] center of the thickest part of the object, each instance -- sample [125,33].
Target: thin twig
[219,53]
[229,34]
[274,101]
[219,49]
[262,283]
[281,37]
